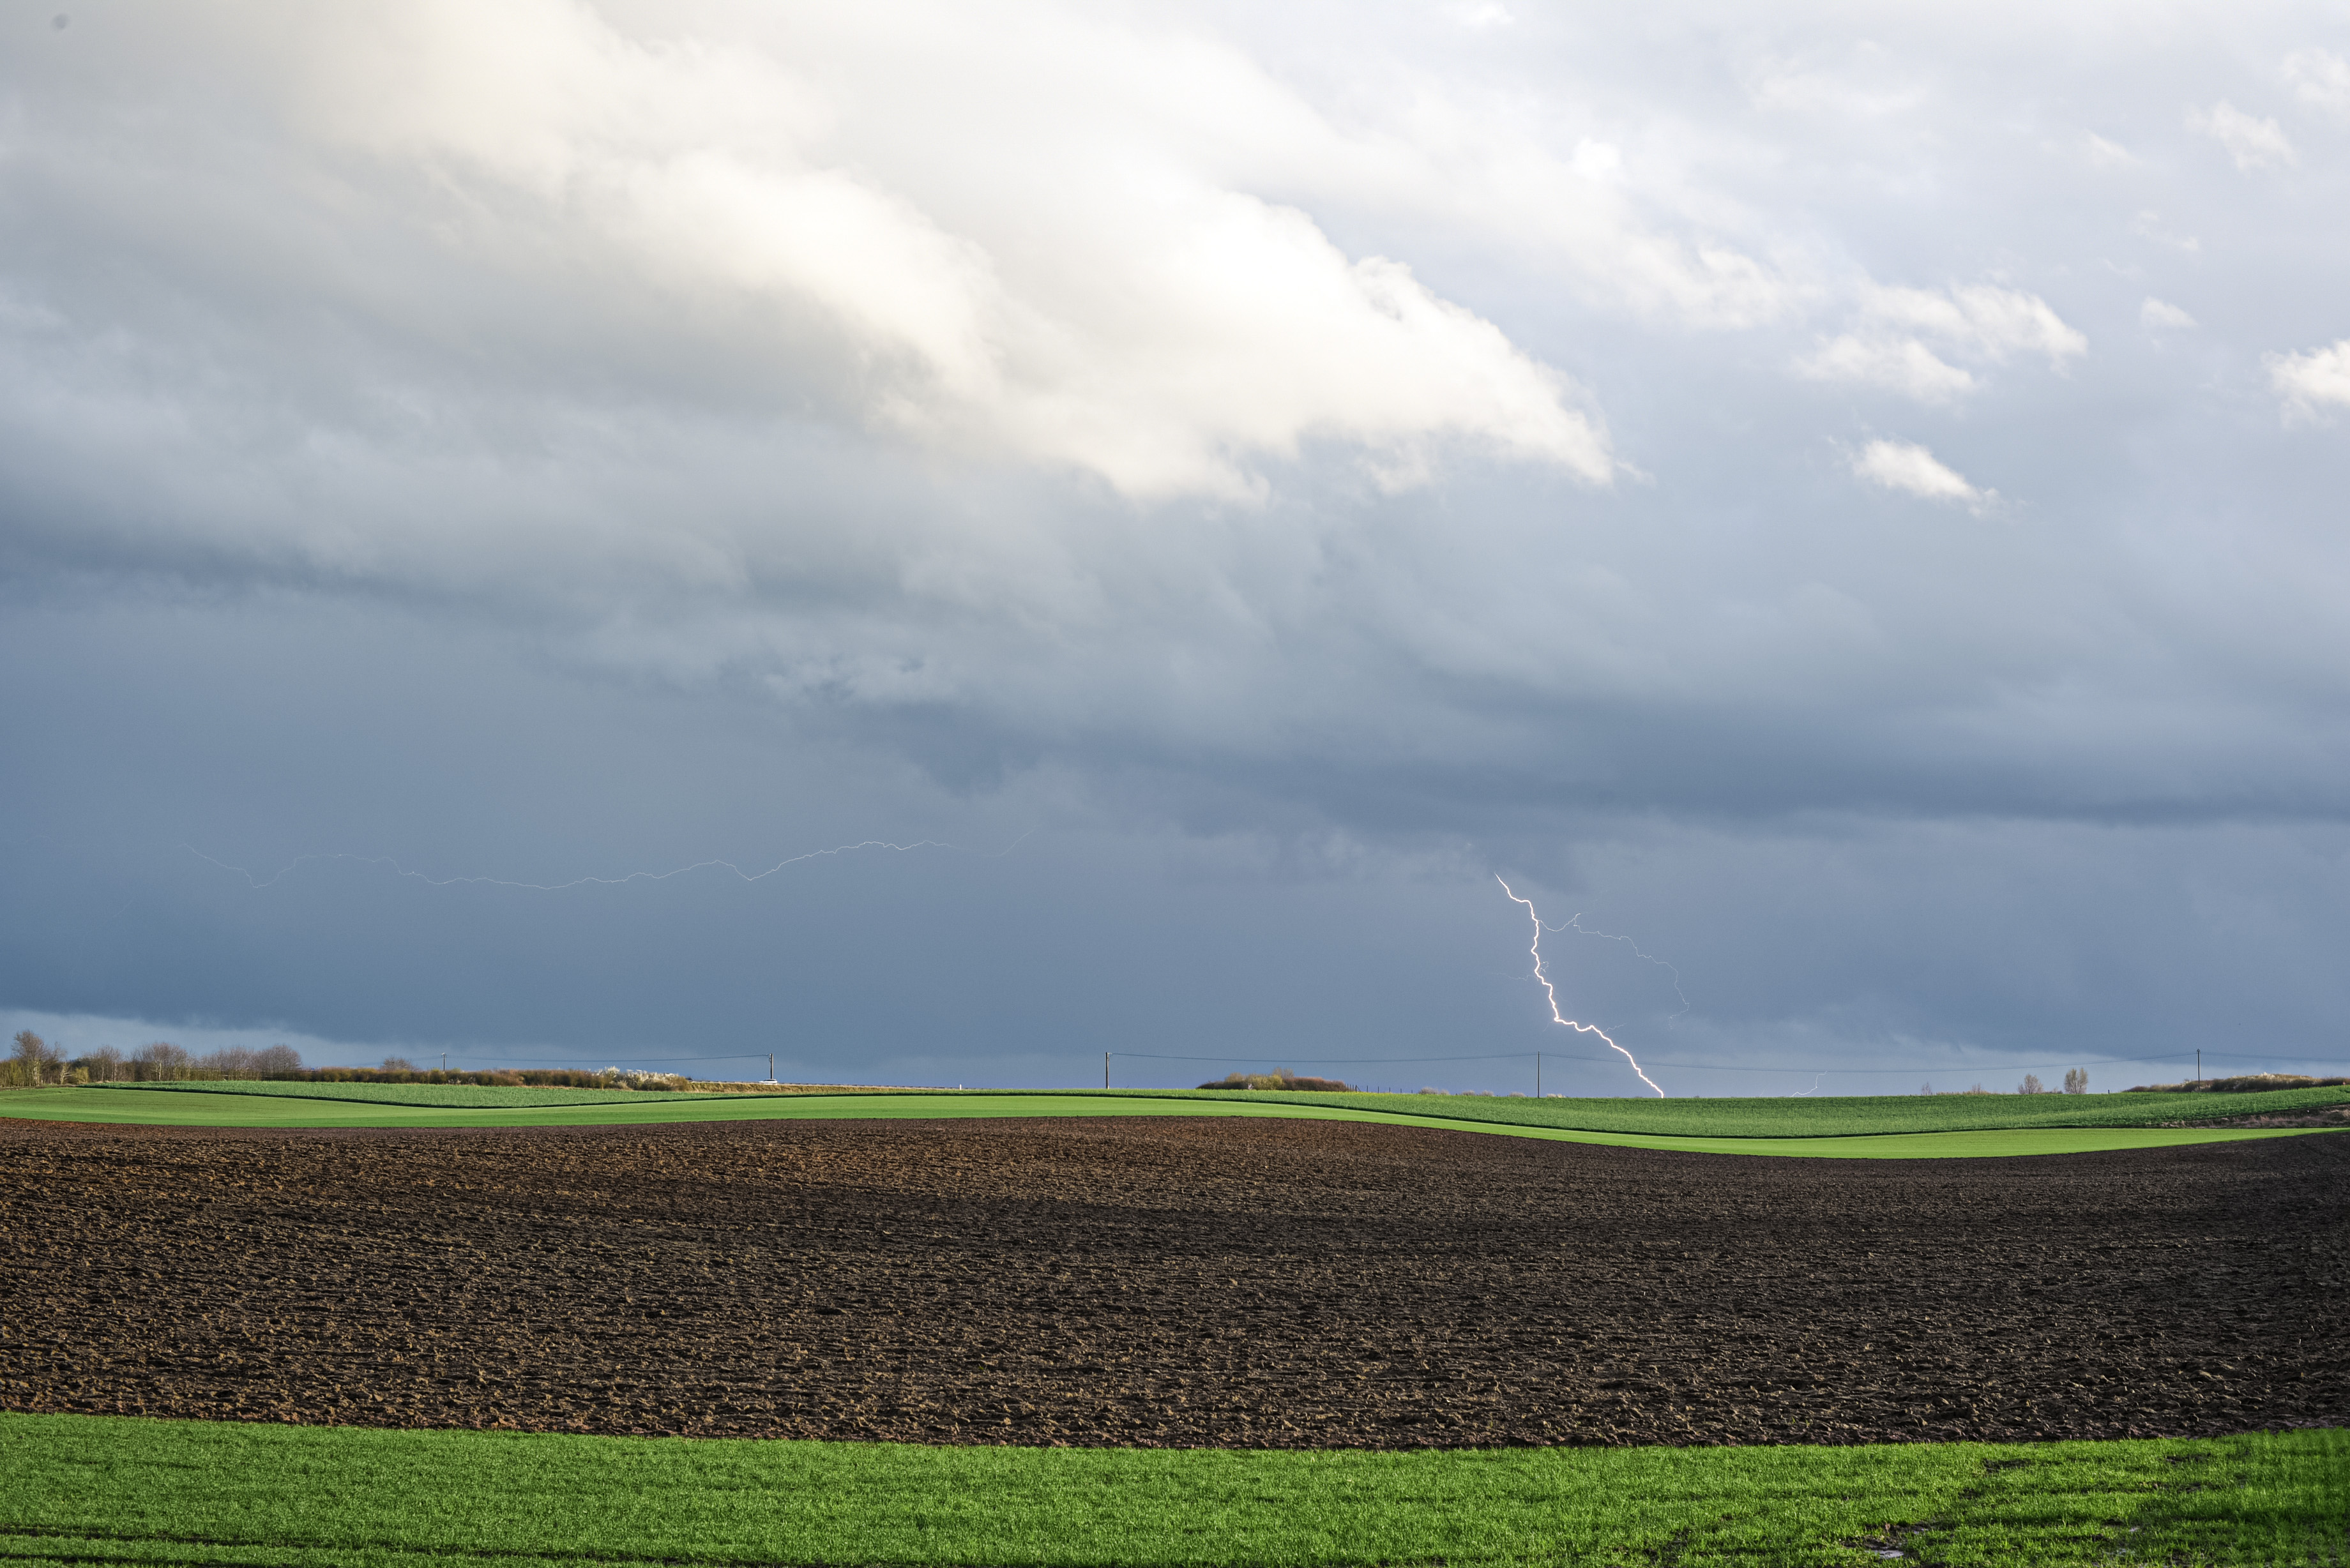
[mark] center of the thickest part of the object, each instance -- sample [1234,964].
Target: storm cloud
[1853,501]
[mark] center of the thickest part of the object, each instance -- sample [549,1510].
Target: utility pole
[1537,1075]
[2198,1064]
[1105,1069]
[771,1067]
[444,1061]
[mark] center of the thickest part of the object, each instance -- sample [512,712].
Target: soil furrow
[1167,1282]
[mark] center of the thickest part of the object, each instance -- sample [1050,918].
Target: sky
[941,541]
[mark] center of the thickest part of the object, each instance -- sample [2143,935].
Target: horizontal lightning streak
[1552,992]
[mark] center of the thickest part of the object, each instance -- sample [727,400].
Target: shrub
[2242,1083]
[1281,1078]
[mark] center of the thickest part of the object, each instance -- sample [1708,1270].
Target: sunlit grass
[1798,1116]
[200,1105]
[108,1490]
[175,1105]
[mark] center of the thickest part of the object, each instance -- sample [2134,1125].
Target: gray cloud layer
[1854,501]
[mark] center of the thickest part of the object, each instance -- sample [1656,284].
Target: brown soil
[1167,1282]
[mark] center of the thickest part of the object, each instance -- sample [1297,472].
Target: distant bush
[1282,1079]
[2031,1085]
[2241,1083]
[2076,1080]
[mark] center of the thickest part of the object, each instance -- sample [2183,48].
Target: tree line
[34,1062]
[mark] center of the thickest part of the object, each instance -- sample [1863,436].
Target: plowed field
[1165,1281]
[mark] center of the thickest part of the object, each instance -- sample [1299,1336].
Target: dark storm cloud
[1853,500]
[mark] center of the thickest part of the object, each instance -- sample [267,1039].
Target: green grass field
[1787,1116]
[200,1105]
[448,1096]
[85,1489]
[1806,1117]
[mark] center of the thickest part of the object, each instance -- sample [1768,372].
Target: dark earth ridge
[1167,1282]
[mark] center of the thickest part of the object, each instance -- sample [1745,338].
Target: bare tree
[2076,1080]
[32,1063]
[161,1062]
[2031,1085]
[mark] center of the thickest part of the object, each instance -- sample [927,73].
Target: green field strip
[446,1096]
[1799,1116]
[90,1489]
[1783,1117]
[117,1106]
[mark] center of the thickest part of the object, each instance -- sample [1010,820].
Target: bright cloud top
[2305,383]
[1906,340]
[1911,469]
[1129,316]
[2320,78]
[2253,143]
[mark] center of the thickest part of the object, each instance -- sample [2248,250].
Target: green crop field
[458,1096]
[85,1488]
[199,1106]
[1806,1117]
[1782,1117]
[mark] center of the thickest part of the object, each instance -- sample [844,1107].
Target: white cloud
[1479,15]
[2147,225]
[1862,85]
[1157,331]
[2107,154]
[2303,382]
[1903,335]
[2253,143]
[1912,469]
[1898,364]
[2320,78]
[2157,314]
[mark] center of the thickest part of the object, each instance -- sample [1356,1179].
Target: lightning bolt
[1583,931]
[300,860]
[1552,992]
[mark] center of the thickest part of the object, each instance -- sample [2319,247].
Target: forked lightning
[1552,992]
